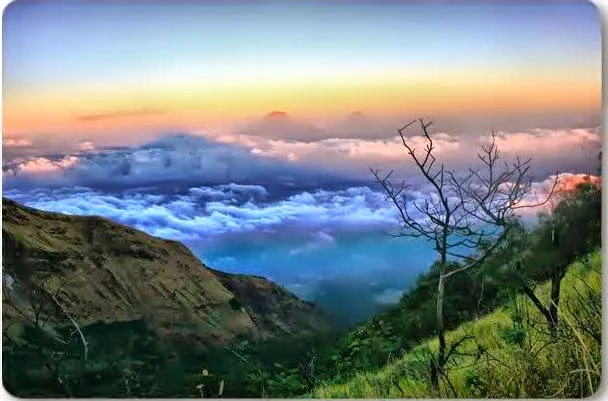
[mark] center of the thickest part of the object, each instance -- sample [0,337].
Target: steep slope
[97,271]
[508,353]
[270,306]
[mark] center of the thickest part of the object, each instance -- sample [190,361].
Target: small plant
[475,383]
[514,335]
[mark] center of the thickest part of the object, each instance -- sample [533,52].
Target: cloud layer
[565,150]
[223,209]
[180,160]
[234,209]
[268,158]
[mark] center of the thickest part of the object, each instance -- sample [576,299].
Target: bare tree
[466,215]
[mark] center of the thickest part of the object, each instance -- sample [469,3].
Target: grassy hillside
[94,308]
[507,353]
[158,323]
[100,271]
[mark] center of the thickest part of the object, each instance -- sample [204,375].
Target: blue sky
[66,42]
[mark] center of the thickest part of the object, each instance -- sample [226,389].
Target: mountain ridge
[99,271]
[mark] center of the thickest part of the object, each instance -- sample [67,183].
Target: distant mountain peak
[277,115]
[357,115]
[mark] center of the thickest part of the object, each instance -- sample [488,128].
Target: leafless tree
[466,215]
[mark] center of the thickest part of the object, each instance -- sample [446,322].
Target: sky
[93,68]
[247,129]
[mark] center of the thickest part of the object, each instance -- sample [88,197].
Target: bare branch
[472,211]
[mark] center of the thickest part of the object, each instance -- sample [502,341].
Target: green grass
[508,353]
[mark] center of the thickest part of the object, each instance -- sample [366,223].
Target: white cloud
[348,156]
[233,210]
[85,146]
[550,149]
[42,165]
[546,141]
[201,212]
[12,142]
[177,159]
[256,159]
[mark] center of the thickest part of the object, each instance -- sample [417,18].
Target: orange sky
[179,105]
[99,69]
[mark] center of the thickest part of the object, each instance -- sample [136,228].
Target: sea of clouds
[303,213]
[192,188]
[177,159]
[207,211]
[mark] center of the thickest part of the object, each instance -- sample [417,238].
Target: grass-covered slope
[94,308]
[507,353]
[97,271]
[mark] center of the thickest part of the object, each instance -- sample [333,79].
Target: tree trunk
[537,302]
[440,322]
[550,313]
[556,282]
[440,335]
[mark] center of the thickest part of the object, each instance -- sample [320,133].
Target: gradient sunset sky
[247,129]
[102,69]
